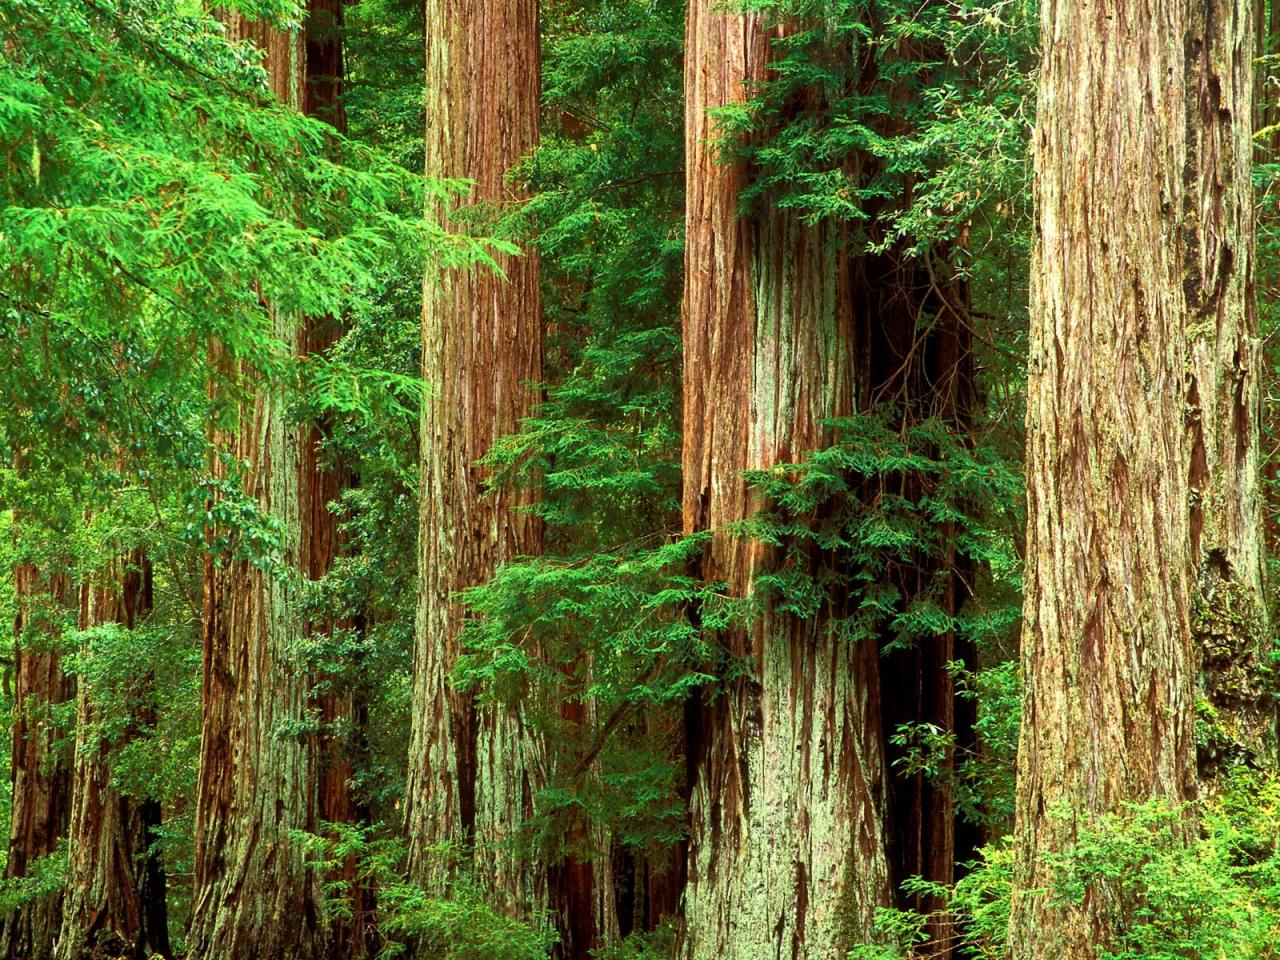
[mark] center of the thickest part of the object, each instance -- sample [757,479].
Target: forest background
[645,576]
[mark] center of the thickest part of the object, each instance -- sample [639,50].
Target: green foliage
[156,200]
[383,41]
[879,498]
[602,443]
[977,905]
[45,878]
[606,215]
[457,926]
[597,623]
[368,396]
[907,119]
[656,944]
[527,644]
[612,629]
[1184,884]
[160,213]
[982,776]
[1218,896]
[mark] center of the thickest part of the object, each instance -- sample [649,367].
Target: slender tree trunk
[341,709]
[1229,609]
[1107,656]
[918,370]
[914,321]
[473,772]
[787,850]
[255,892]
[324,63]
[581,881]
[648,884]
[41,775]
[115,899]
[342,712]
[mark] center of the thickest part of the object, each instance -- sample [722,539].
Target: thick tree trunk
[41,776]
[255,893]
[787,851]
[114,905]
[1229,610]
[1107,656]
[473,772]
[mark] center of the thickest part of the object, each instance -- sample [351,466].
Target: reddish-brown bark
[787,851]
[320,485]
[41,773]
[473,772]
[256,893]
[1229,607]
[578,877]
[324,63]
[114,905]
[1108,661]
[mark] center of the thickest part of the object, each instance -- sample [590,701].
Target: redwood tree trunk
[255,893]
[113,905]
[1229,609]
[474,771]
[1107,657]
[322,483]
[341,711]
[41,776]
[787,850]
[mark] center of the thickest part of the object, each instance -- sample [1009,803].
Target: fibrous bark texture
[114,905]
[1107,658]
[473,772]
[1229,611]
[787,850]
[255,893]
[41,776]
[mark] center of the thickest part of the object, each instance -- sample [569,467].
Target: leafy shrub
[458,925]
[46,877]
[656,944]
[1217,896]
